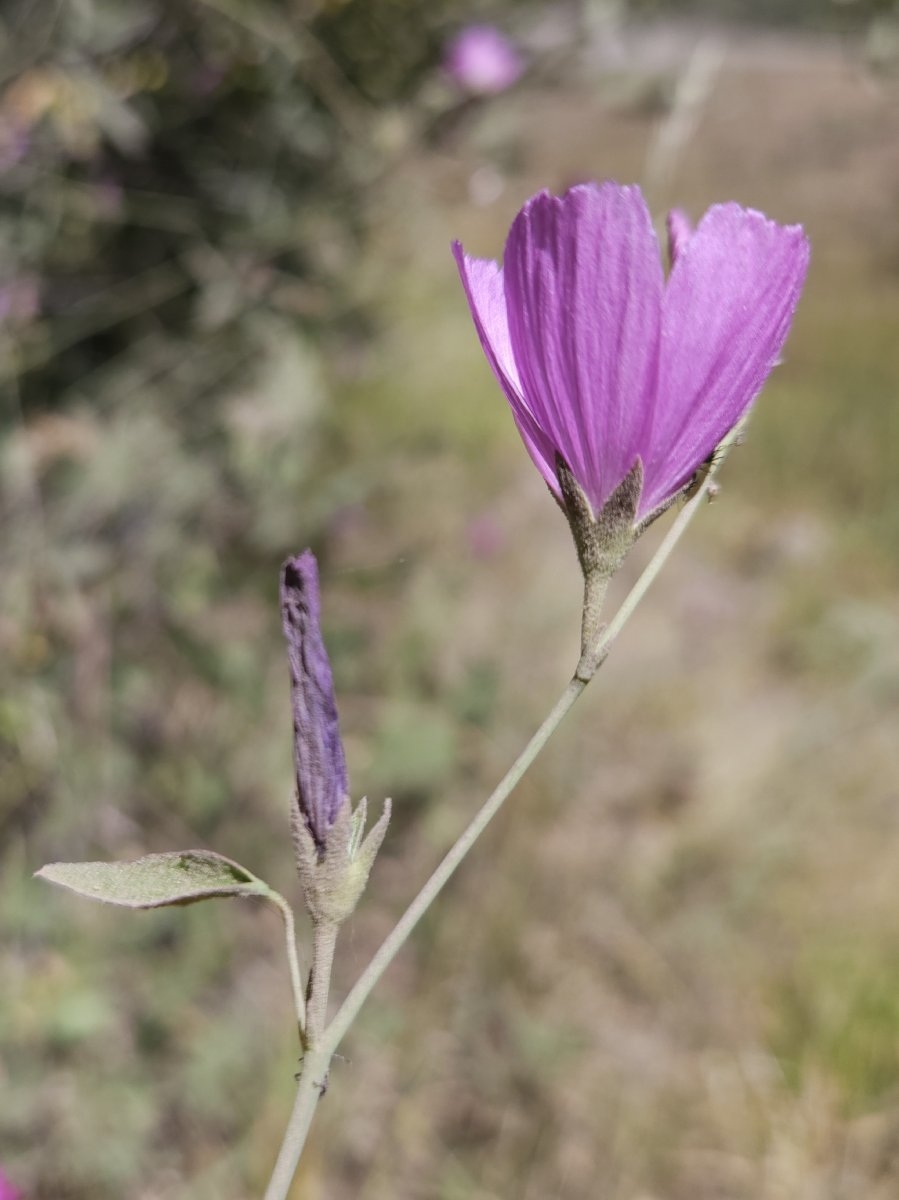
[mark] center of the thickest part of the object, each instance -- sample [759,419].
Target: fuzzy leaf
[179,877]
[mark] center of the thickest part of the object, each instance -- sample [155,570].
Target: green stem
[317,1060]
[313,1080]
[422,902]
[296,979]
[324,939]
[395,939]
[419,906]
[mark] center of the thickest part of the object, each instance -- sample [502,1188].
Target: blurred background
[230,327]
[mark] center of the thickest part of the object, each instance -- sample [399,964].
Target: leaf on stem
[178,877]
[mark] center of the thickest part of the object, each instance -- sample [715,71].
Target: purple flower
[482,61]
[7,1191]
[612,368]
[321,774]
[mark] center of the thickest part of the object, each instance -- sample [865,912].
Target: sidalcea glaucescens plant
[628,389]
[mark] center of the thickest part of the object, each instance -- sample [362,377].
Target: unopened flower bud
[319,762]
[333,855]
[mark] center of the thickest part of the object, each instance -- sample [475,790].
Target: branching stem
[323,1044]
[313,1081]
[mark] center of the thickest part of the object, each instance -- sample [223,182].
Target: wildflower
[321,774]
[333,852]
[481,60]
[622,383]
[604,363]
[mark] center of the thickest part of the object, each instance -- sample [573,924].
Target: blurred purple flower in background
[321,774]
[20,301]
[603,361]
[7,1191]
[15,143]
[483,61]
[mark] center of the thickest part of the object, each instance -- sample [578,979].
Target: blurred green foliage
[839,1013]
[178,176]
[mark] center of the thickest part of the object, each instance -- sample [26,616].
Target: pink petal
[483,283]
[679,231]
[584,285]
[727,310]
[7,1191]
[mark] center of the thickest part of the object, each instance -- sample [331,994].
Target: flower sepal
[334,876]
[602,540]
[604,359]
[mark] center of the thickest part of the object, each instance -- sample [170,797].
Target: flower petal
[483,283]
[679,229]
[7,1191]
[728,306]
[584,283]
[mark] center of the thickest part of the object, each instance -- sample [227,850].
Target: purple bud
[321,773]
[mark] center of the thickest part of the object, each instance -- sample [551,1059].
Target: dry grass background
[670,971]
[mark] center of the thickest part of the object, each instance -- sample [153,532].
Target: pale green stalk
[422,902]
[290,938]
[315,1065]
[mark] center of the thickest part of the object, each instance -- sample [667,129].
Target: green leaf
[179,877]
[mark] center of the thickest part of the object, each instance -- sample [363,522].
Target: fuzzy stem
[313,1080]
[324,939]
[296,981]
[394,941]
[596,584]
[317,1059]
